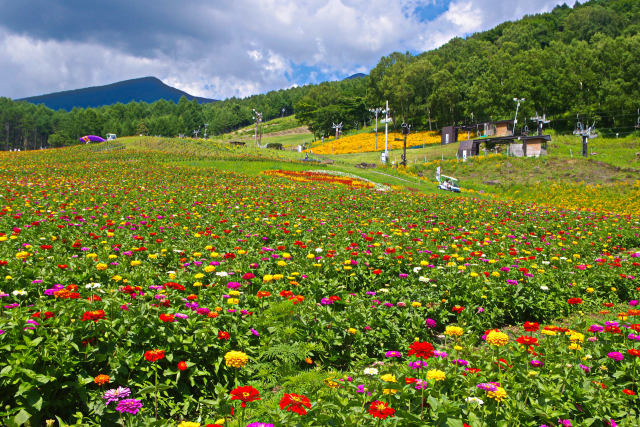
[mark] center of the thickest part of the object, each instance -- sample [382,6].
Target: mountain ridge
[143,89]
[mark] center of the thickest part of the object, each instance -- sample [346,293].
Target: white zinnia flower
[474,400]
[370,371]
[19,292]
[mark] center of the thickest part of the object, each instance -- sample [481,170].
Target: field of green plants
[143,287]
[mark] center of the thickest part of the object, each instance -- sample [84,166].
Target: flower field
[366,142]
[138,292]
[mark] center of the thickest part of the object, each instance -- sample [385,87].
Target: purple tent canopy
[92,138]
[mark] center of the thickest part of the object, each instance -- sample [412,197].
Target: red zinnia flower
[629,392]
[634,352]
[295,403]
[381,410]
[62,266]
[93,315]
[531,326]
[167,317]
[263,294]
[182,366]
[422,350]
[527,340]
[245,394]
[572,301]
[154,355]
[223,335]
[457,309]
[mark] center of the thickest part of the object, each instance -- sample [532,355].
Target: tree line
[570,64]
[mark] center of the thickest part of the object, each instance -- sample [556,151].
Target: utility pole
[515,120]
[376,111]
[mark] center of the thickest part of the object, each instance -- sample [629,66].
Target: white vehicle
[111,136]
[447,183]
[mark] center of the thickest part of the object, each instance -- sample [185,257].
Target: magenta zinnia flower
[116,394]
[131,406]
[615,355]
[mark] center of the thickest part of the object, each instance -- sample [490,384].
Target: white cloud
[222,49]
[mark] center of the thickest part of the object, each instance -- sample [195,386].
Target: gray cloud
[221,48]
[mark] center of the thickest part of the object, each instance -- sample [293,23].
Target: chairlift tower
[338,128]
[206,125]
[638,122]
[541,122]
[586,134]
[196,132]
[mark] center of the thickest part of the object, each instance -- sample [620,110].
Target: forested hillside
[572,61]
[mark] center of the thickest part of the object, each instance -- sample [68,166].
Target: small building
[517,146]
[503,128]
[449,135]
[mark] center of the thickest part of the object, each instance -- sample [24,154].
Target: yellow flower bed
[364,142]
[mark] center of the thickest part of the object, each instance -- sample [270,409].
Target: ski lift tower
[541,122]
[638,122]
[338,128]
[586,134]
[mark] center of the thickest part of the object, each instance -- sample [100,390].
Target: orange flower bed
[364,142]
[304,176]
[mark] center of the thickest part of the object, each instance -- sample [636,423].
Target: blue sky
[220,48]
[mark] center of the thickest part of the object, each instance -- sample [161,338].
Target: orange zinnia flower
[102,379]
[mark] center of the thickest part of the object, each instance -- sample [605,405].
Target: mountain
[145,89]
[355,76]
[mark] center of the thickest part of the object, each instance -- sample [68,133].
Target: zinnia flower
[101,379]
[421,350]
[615,355]
[295,403]
[381,410]
[116,394]
[455,331]
[154,355]
[131,406]
[497,338]
[245,394]
[435,374]
[236,359]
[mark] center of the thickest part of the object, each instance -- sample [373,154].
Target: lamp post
[515,120]
[386,132]
[405,131]
[258,118]
[376,111]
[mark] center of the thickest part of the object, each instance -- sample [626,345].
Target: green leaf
[21,417]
